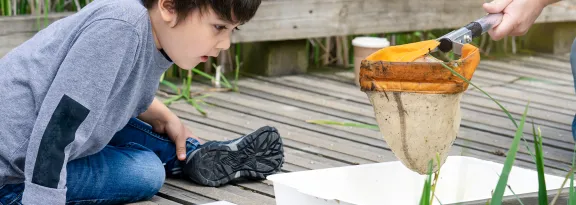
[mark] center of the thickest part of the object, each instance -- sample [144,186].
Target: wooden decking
[287,102]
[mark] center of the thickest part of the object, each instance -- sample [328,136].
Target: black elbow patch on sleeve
[59,133]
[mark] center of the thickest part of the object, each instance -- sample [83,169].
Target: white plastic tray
[461,179]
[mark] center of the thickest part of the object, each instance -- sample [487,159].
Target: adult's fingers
[496,6]
[504,28]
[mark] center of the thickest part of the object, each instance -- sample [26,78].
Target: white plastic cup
[363,47]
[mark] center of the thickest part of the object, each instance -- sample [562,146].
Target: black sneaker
[255,156]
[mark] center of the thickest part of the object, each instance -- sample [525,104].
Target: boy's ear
[168,12]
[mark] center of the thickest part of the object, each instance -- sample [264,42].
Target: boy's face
[191,40]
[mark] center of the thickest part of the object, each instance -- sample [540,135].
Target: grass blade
[237,72]
[202,96]
[510,157]
[172,99]
[467,81]
[60,6]
[184,89]
[9,7]
[562,187]
[203,74]
[23,5]
[435,179]
[226,83]
[425,198]
[3,8]
[347,124]
[225,80]
[513,193]
[437,199]
[517,198]
[572,194]
[316,55]
[532,79]
[494,100]
[188,85]
[542,192]
[193,102]
[171,86]
[572,198]
[46,11]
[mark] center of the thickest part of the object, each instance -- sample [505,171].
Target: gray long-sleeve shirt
[68,89]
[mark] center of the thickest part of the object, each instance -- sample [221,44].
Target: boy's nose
[224,44]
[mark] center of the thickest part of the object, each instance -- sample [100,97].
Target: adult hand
[518,16]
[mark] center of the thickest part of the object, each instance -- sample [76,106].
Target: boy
[80,122]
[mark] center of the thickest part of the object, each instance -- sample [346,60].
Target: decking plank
[502,79]
[269,90]
[240,100]
[471,102]
[259,187]
[542,92]
[229,193]
[347,77]
[180,196]
[475,135]
[541,62]
[503,99]
[502,67]
[162,201]
[470,98]
[293,156]
[532,97]
[565,57]
[338,149]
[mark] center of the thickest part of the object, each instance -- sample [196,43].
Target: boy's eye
[219,27]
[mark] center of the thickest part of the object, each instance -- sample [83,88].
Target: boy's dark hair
[242,10]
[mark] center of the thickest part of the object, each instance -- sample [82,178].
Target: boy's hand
[178,133]
[519,15]
[165,122]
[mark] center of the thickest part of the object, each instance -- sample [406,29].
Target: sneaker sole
[256,155]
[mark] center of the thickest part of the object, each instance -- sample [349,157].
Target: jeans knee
[147,174]
[154,175]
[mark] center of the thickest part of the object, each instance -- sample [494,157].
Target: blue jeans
[573,64]
[132,167]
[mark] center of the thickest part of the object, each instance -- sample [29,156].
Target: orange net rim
[425,77]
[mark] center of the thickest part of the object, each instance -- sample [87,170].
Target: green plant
[542,193]
[222,77]
[425,198]
[237,72]
[572,194]
[510,157]
[435,182]
[185,94]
